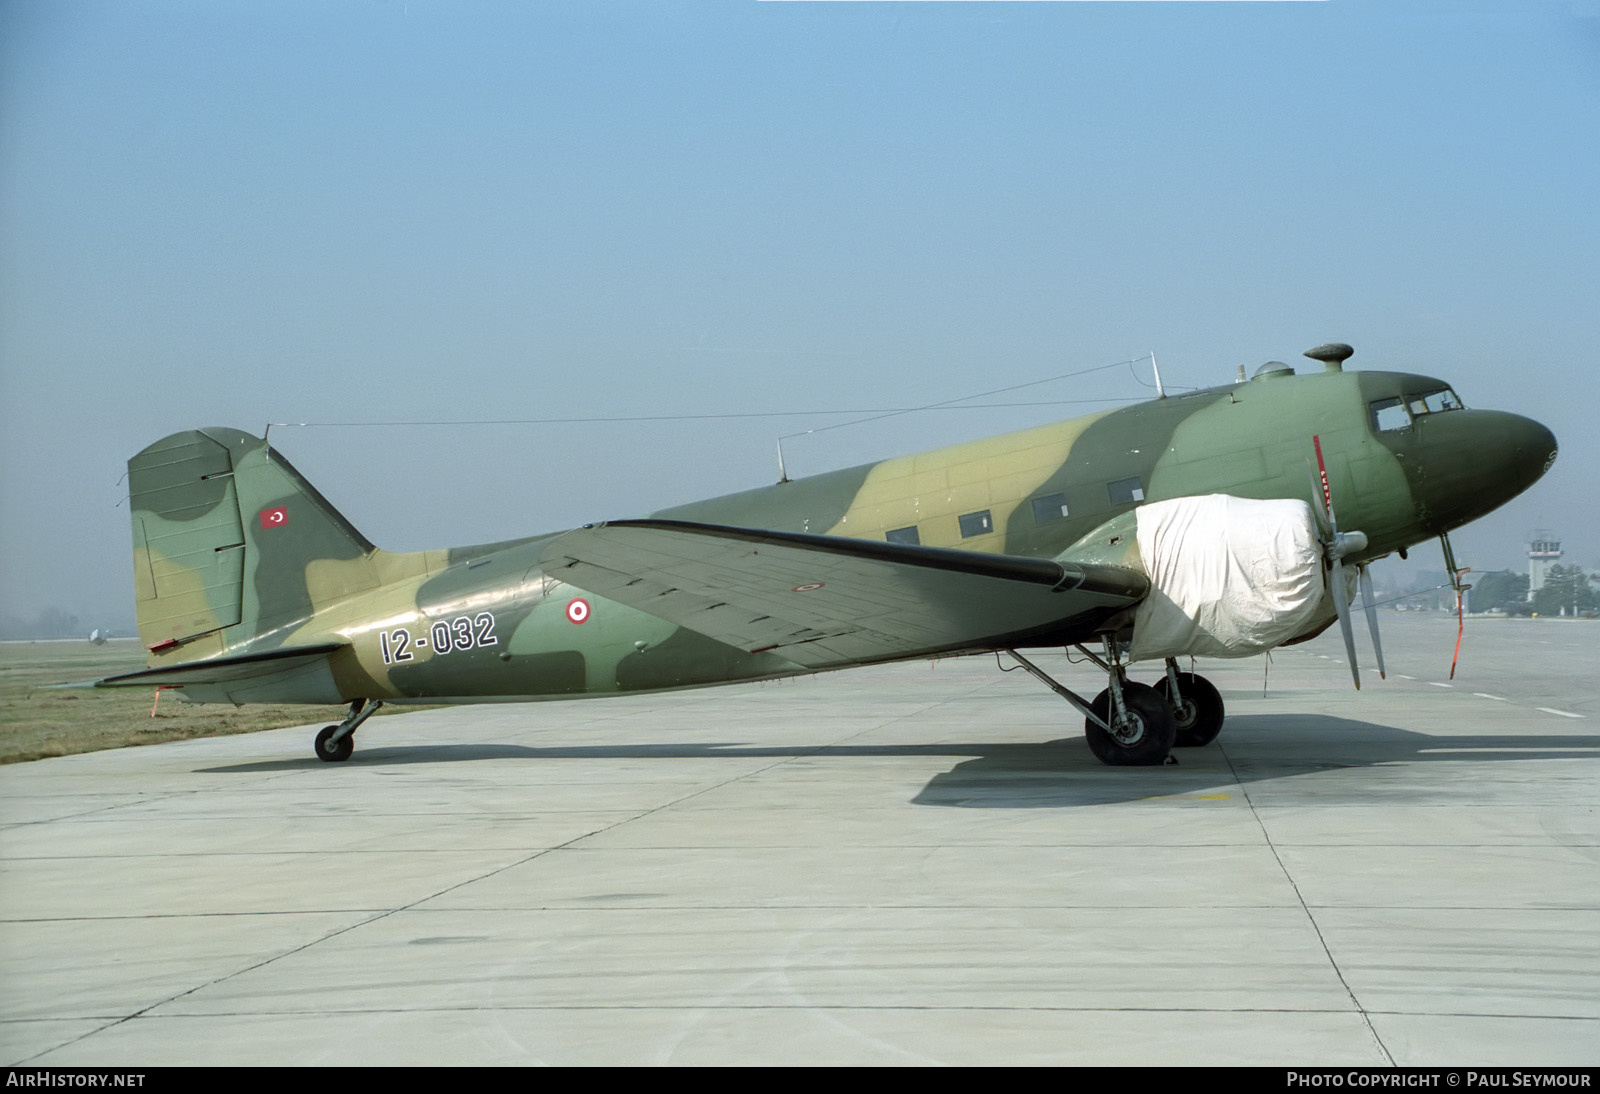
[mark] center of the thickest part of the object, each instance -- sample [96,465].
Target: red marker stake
[1461,620]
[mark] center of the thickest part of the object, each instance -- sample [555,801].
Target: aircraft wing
[823,601]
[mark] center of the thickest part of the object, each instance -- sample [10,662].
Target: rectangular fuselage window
[903,535]
[976,524]
[1049,507]
[1124,491]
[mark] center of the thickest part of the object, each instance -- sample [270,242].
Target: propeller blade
[1369,602]
[1326,492]
[1336,547]
[1316,501]
[1341,604]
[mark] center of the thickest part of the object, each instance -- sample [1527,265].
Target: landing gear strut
[334,744]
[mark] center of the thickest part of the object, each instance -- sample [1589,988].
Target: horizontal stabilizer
[822,601]
[225,670]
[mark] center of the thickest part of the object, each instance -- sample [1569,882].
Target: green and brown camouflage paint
[237,555]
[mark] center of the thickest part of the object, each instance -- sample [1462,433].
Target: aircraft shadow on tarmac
[1253,749]
[1062,773]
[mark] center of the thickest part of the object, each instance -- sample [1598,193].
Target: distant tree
[1499,591]
[1566,589]
[50,623]
[55,623]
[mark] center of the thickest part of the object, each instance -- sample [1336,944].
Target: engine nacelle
[1229,577]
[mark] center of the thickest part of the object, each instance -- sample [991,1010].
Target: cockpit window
[1400,412]
[1390,414]
[1434,402]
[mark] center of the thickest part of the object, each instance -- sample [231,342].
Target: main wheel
[1142,737]
[331,751]
[1198,716]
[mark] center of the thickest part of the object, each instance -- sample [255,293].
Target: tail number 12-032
[445,636]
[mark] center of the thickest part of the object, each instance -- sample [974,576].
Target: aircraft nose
[1474,461]
[1532,449]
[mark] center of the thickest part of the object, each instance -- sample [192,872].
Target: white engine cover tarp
[1229,577]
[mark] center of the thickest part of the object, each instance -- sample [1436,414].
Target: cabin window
[1125,491]
[1390,414]
[1049,507]
[976,524]
[903,535]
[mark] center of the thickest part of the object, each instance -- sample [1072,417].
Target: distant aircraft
[1201,524]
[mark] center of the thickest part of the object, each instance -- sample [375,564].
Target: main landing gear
[1131,724]
[334,744]
[1196,707]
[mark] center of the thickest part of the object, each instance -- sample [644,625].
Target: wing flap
[825,600]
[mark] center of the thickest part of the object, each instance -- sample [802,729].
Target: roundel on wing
[577,610]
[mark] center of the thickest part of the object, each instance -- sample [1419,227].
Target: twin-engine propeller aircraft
[1201,524]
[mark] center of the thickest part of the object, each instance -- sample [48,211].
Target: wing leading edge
[824,601]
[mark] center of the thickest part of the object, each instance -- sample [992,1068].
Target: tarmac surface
[906,865]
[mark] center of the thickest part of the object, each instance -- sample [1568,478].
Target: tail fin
[224,533]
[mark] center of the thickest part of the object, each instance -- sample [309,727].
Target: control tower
[1544,551]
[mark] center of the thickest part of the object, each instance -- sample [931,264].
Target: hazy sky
[217,213]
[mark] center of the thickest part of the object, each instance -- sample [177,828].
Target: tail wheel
[1141,737]
[1198,714]
[332,751]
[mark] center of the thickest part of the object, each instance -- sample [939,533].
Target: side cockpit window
[1389,414]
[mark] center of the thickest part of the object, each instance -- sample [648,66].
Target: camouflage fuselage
[237,554]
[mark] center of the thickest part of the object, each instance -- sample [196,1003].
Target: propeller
[1336,546]
[1370,603]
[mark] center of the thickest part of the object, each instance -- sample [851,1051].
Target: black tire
[331,751]
[1145,738]
[1198,718]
